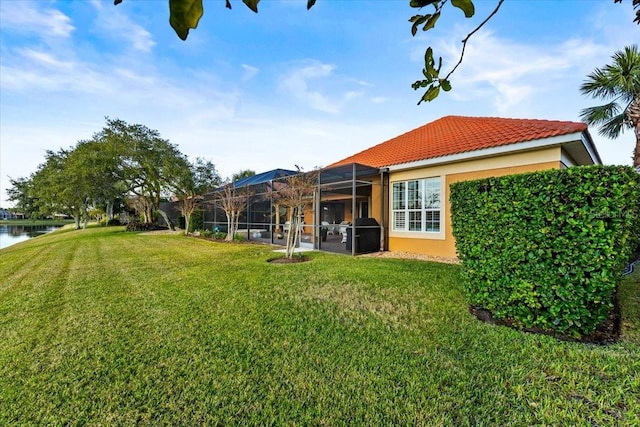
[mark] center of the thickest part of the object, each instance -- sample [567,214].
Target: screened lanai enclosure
[344,213]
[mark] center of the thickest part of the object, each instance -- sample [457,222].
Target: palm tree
[619,83]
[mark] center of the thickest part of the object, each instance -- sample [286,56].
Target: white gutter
[588,144]
[505,149]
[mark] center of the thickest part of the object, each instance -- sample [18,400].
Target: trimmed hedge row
[546,249]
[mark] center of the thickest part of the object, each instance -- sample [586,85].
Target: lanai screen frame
[345,180]
[259,186]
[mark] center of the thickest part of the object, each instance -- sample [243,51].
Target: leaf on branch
[431,22]
[417,21]
[421,3]
[429,71]
[184,15]
[445,85]
[428,57]
[431,94]
[310,4]
[466,6]
[252,4]
[116,2]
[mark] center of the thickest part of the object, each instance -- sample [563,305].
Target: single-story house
[403,183]
[409,192]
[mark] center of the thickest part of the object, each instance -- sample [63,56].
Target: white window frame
[412,203]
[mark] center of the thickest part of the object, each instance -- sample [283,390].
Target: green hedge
[197,221]
[547,249]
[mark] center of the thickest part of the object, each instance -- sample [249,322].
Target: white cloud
[33,71]
[276,139]
[249,72]
[115,24]
[315,84]
[297,83]
[507,73]
[45,59]
[24,16]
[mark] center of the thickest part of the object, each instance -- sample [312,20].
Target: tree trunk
[636,154]
[166,219]
[633,118]
[187,220]
[296,238]
[231,223]
[291,240]
[109,210]
[294,233]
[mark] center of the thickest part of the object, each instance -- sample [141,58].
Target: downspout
[383,171]
[353,209]
[271,227]
[318,209]
[248,219]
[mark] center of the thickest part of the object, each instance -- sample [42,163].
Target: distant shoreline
[50,222]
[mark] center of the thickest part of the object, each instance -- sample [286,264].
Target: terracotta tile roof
[457,134]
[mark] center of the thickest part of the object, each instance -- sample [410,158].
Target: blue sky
[287,86]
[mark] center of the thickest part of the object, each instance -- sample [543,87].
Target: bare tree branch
[466,39]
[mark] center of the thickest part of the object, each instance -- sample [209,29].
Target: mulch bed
[282,260]
[607,333]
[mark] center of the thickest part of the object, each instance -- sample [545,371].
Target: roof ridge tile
[454,134]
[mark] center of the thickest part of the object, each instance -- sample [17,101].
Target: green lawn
[104,327]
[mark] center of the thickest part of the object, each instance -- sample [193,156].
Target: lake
[12,234]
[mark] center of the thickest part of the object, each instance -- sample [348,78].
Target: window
[416,205]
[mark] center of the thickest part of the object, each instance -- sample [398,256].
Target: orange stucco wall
[443,245]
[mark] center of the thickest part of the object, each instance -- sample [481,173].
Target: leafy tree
[99,163]
[202,177]
[619,84]
[244,173]
[122,161]
[205,176]
[233,201]
[295,193]
[185,15]
[61,185]
[148,167]
[70,181]
[21,194]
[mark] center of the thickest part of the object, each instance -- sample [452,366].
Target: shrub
[546,250]
[219,235]
[196,222]
[141,226]
[113,222]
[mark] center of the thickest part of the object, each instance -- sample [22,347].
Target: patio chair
[343,231]
[325,224]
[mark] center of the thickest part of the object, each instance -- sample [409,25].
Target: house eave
[582,138]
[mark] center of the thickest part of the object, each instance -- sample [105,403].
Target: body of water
[12,234]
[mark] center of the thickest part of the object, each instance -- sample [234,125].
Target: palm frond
[614,127]
[622,77]
[610,119]
[618,83]
[600,113]
[598,85]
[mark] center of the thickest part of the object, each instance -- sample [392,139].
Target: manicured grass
[104,327]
